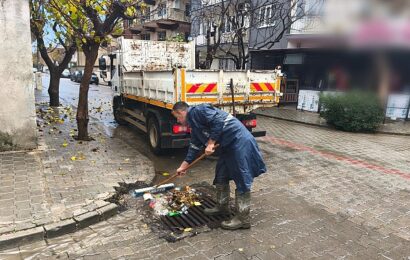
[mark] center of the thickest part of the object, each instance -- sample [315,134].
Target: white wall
[17,109]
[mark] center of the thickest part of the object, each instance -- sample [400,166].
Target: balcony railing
[171,14]
[307,25]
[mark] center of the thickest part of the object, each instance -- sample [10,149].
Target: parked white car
[66,74]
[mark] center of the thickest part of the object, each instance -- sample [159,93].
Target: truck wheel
[154,135]
[117,111]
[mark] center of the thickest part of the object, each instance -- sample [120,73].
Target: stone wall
[17,108]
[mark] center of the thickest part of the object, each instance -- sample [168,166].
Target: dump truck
[148,77]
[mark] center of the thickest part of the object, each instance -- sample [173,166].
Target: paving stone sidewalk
[64,178]
[290,113]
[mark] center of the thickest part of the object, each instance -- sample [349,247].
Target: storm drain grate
[195,217]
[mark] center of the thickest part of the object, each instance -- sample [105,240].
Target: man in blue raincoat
[240,159]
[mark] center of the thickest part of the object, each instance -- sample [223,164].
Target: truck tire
[117,111]
[154,135]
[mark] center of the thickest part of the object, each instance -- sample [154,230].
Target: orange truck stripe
[183,85]
[193,88]
[256,87]
[266,87]
[202,88]
[210,88]
[269,86]
[201,99]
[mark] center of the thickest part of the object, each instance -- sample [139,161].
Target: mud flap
[259,133]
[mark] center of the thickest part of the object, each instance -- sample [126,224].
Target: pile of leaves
[175,202]
[181,199]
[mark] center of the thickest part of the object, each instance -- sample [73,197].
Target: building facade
[340,45]
[221,30]
[164,20]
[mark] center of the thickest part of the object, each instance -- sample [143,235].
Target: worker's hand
[210,149]
[181,171]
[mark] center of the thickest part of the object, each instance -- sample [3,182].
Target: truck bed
[252,89]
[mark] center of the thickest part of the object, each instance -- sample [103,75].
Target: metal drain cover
[195,218]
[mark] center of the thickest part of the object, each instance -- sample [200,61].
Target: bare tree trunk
[209,53]
[82,111]
[53,88]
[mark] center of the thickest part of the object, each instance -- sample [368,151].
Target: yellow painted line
[236,99]
[261,98]
[201,99]
[183,85]
[149,101]
[175,86]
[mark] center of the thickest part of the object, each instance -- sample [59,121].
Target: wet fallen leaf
[127,160]
[240,249]
[197,203]
[165,174]
[73,158]
[81,156]
[272,247]
[187,229]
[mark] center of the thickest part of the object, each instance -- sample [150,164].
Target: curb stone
[324,125]
[60,228]
[24,236]
[87,219]
[56,229]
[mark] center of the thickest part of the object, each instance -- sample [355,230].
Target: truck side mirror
[102,64]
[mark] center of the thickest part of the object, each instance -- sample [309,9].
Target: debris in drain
[153,189]
[179,213]
[173,203]
[147,196]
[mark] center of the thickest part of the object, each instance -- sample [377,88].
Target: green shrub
[352,111]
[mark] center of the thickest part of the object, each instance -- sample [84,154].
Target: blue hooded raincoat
[240,159]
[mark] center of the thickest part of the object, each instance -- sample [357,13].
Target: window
[188,10]
[177,4]
[162,9]
[145,14]
[162,36]
[204,27]
[262,15]
[228,24]
[313,7]
[146,36]
[267,16]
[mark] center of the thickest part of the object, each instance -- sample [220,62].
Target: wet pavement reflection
[101,116]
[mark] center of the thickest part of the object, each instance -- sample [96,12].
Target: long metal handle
[176,174]
[189,166]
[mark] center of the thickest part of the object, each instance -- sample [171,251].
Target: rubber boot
[222,201]
[241,220]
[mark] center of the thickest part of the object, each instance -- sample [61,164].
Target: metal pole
[233,97]
[408,110]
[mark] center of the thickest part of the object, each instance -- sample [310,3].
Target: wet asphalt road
[100,108]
